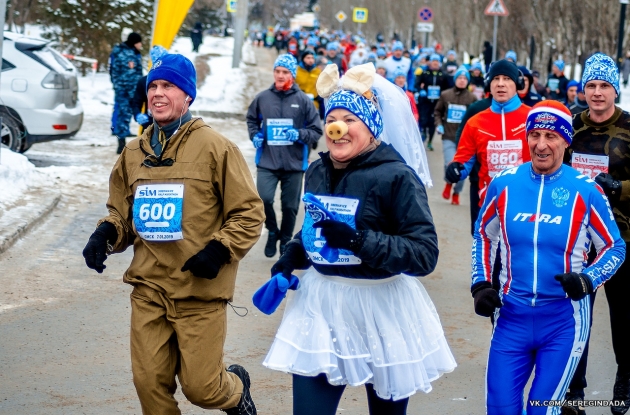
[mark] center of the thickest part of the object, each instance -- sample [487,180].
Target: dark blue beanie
[178,70]
[504,67]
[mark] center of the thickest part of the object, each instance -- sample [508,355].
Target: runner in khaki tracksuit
[189,207]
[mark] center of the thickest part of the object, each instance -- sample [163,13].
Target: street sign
[424,27]
[341,16]
[231,6]
[496,8]
[425,14]
[359,15]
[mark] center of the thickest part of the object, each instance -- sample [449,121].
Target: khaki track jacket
[220,202]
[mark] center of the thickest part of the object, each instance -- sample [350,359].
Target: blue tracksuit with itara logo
[546,225]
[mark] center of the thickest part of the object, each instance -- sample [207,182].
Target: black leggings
[315,396]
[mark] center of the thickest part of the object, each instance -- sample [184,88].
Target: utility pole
[240,24]
[494,38]
[3,11]
[622,23]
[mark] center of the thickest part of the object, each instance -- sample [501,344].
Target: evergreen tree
[92,28]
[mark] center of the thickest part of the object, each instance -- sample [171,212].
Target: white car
[38,93]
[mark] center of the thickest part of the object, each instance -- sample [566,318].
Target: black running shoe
[571,407]
[272,242]
[246,404]
[621,394]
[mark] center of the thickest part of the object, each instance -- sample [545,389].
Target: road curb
[30,211]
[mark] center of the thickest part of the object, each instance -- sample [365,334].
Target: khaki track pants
[183,338]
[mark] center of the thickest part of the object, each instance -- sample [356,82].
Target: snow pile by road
[16,175]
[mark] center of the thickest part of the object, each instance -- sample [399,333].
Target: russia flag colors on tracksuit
[545,226]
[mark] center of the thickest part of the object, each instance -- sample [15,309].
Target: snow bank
[16,175]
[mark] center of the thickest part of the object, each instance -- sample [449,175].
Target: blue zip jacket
[546,225]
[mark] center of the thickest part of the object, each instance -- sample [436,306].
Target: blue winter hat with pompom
[176,69]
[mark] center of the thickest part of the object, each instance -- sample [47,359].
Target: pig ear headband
[358,79]
[400,128]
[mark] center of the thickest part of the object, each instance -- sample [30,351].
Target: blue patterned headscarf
[287,61]
[360,106]
[600,67]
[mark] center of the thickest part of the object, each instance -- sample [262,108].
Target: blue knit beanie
[332,46]
[435,57]
[451,52]
[360,106]
[461,71]
[600,67]
[572,83]
[381,52]
[560,64]
[287,61]
[398,46]
[511,55]
[176,69]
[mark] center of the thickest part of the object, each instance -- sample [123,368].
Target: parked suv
[38,93]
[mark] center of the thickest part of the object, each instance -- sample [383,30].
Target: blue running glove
[292,134]
[258,139]
[142,118]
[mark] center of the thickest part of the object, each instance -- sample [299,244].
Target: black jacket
[531,99]
[140,99]
[293,104]
[430,78]
[393,209]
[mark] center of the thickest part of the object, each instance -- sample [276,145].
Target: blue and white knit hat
[287,61]
[398,46]
[381,52]
[462,71]
[510,54]
[435,57]
[360,106]
[560,64]
[332,46]
[157,52]
[600,67]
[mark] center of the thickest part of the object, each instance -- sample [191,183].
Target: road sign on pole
[231,6]
[341,16]
[496,8]
[424,27]
[425,14]
[360,15]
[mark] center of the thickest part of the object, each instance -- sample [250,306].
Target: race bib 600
[157,212]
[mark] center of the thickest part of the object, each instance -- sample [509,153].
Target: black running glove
[577,286]
[486,299]
[294,257]
[340,235]
[95,251]
[611,187]
[207,263]
[454,172]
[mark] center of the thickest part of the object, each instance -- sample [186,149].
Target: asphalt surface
[64,329]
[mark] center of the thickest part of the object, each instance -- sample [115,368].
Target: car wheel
[11,132]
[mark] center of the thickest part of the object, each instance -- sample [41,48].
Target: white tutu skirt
[384,332]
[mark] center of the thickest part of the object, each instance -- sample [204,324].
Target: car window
[53,59]
[6,65]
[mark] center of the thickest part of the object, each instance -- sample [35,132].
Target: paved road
[64,329]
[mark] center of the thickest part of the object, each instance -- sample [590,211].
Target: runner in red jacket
[496,137]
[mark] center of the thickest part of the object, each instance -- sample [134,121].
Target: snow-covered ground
[16,175]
